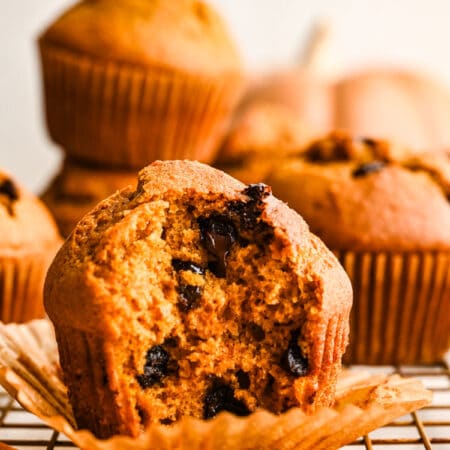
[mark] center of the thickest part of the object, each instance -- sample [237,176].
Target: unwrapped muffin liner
[401,306]
[30,372]
[21,284]
[127,115]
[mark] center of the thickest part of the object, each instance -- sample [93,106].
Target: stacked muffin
[129,82]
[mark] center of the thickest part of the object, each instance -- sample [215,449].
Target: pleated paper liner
[30,373]
[401,306]
[128,115]
[21,284]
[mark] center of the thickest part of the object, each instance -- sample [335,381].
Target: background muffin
[261,134]
[28,241]
[131,81]
[78,188]
[387,217]
[193,294]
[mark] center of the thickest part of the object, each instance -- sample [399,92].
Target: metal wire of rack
[428,428]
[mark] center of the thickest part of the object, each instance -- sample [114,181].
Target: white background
[412,33]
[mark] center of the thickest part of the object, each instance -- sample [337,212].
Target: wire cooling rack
[428,428]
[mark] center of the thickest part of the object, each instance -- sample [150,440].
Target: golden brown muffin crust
[183,34]
[368,195]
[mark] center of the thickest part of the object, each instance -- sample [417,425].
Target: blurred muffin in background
[386,215]
[78,188]
[29,240]
[131,81]
[259,136]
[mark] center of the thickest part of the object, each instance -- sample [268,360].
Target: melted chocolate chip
[188,297]
[179,264]
[155,368]
[367,168]
[8,188]
[220,397]
[293,360]
[243,379]
[218,234]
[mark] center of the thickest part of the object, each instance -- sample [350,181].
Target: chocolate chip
[293,360]
[257,191]
[328,150]
[179,264]
[369,142]
[155,368]
[218,234]
[367,168]
[256,332]
[166,421]
[8,188]
[189,296]
[220,397]
[248,214]
[243,379]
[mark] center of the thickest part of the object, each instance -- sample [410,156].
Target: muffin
[131,81]
[260,134]
[78,188]
[28,241]
[386,215]
[193,294]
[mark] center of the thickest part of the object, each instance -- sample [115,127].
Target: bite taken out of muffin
[191,294]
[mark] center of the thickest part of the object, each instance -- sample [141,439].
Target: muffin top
[264,129]
[25,224]
[368,195]
[183,34]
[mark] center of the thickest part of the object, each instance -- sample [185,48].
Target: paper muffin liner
[30,372]
[21,285]
[127,115]
[401,306]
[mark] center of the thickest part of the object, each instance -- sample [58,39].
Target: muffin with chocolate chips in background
[386,215]
[193,294]
[28,242]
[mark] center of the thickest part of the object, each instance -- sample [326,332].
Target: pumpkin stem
[316,56]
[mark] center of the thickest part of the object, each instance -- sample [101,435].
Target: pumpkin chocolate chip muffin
[130,81]
[194,294]
[78,188]
[29,240]
[386,215]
